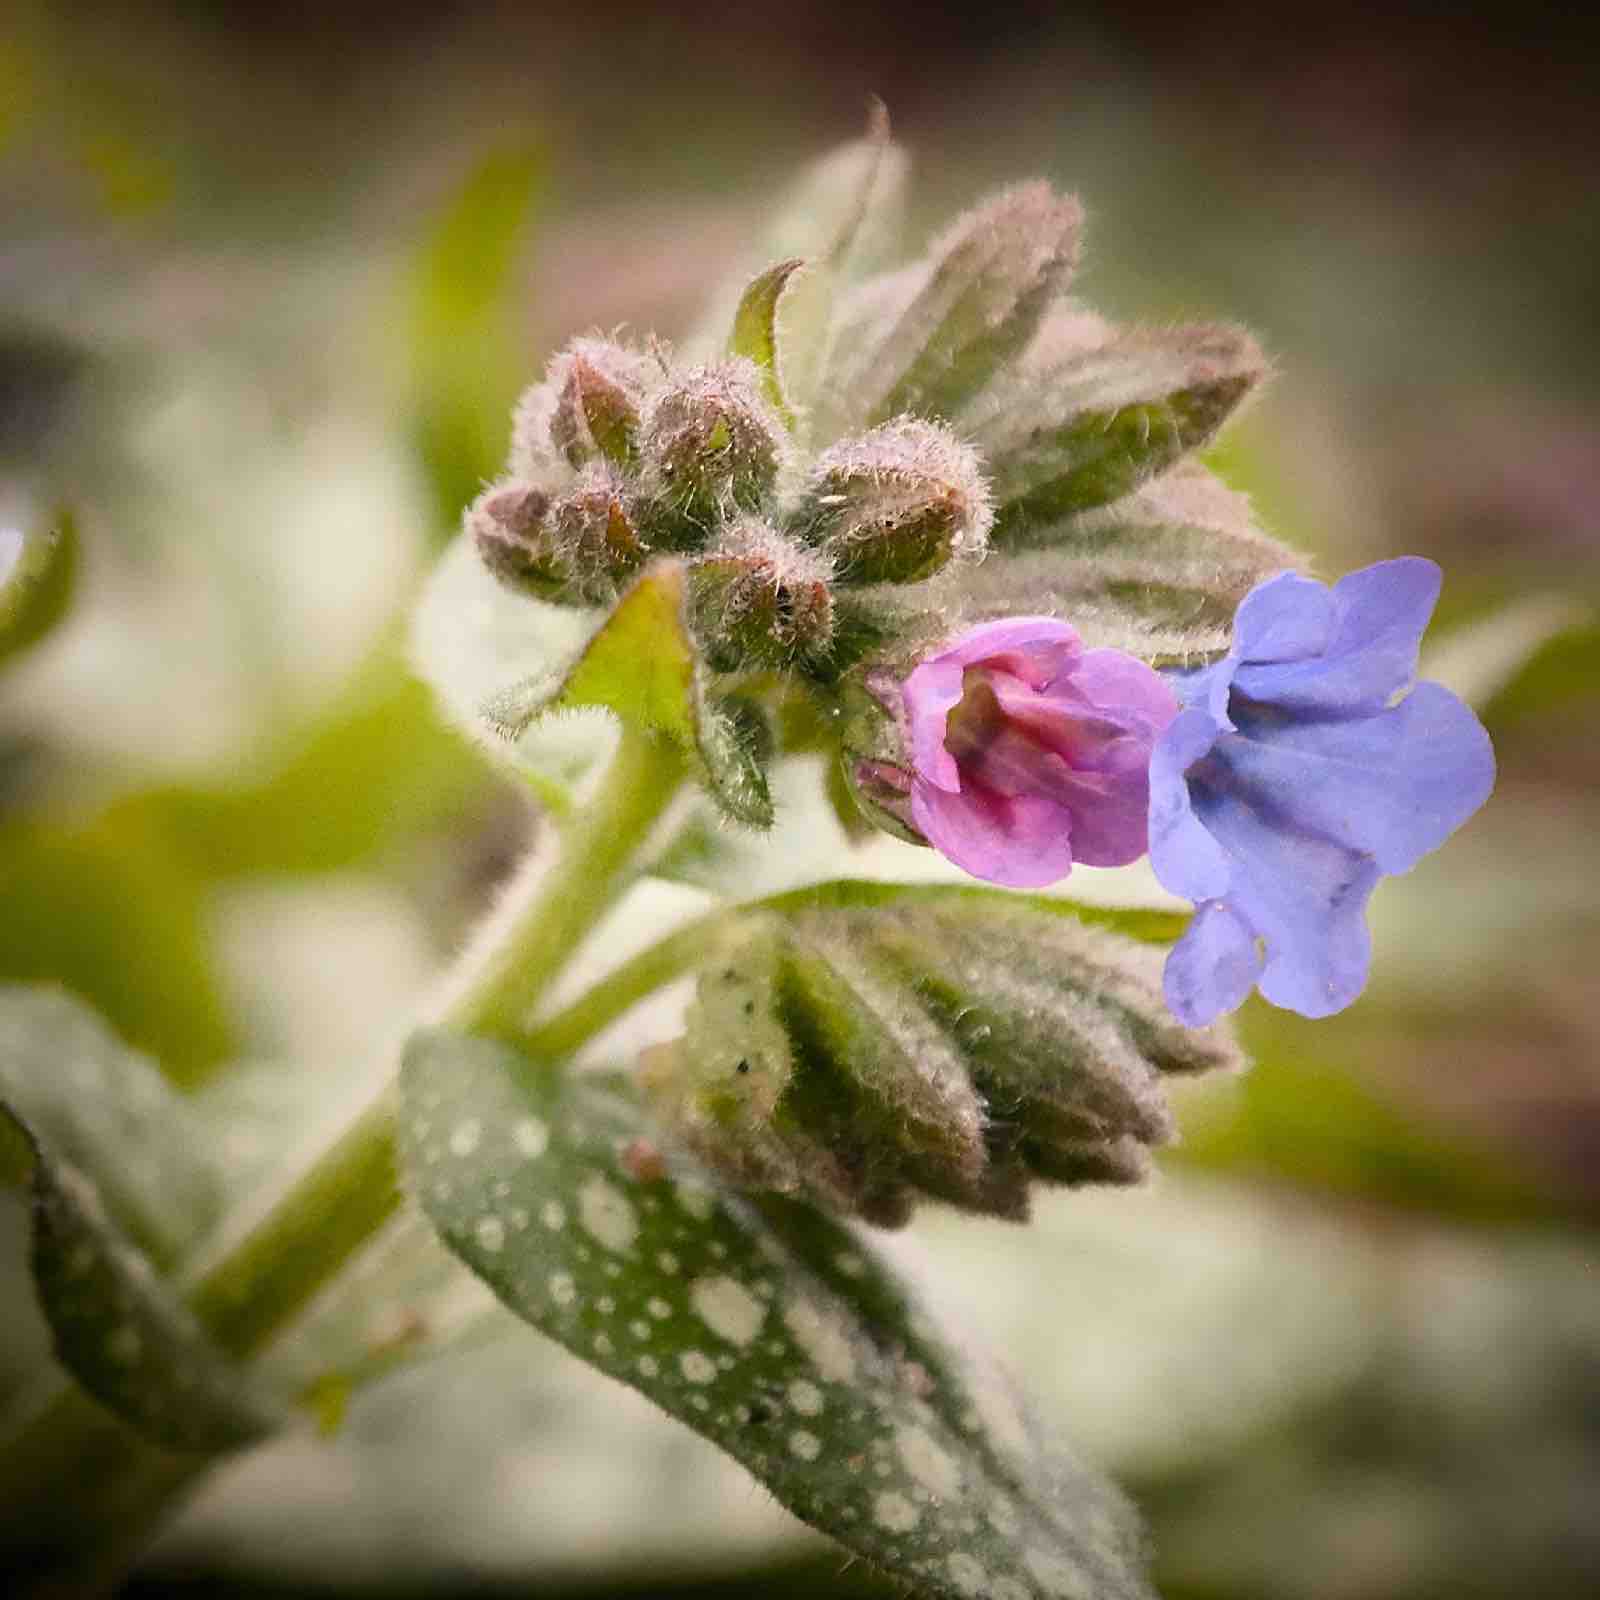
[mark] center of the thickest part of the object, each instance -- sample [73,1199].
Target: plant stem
[353,1190]
[347,1195]
[574,891]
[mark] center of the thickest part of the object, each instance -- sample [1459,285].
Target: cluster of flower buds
[618,456]
[957,519]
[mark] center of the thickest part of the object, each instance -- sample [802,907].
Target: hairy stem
[345,1197]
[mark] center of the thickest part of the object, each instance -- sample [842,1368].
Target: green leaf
[955,1047]
[755,331]
[112,1152]
[785,1338]
[641,665]
[466,367]
[977,301]
[107,1110]
[37,573]
[1158,574]
[119,913]
[1094,426]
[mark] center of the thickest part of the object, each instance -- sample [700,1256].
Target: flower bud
[760,601]
[508,525]
[600,389]
[577,548]
[711,448]
[593,528]
[895,504]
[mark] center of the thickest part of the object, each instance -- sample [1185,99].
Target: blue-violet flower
[1304,766]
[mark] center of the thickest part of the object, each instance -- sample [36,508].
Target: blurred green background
[269,282]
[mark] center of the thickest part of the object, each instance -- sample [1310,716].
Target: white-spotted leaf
[94,1103]
[780,1335]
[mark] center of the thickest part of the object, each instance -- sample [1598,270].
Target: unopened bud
[758,600]
[897,503]
[593,527]
[508,526]
[600,388]
[711,449]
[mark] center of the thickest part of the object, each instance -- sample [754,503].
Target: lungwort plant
[942,527]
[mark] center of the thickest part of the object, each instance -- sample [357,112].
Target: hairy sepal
[867,1049]
[1095,425]
[1159,575]
[643,667]
[970,307]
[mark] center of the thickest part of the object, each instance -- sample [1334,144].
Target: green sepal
[755,331]
[642,665]
[1096,425]
[1158,574]
[868,1055]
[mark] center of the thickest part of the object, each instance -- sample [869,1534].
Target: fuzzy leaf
[977,302]
[783,1337]
[642,666]
[1158,574]
[1092,427]
[869,1049]
[111,1163]
[755,330]
[102,1108]
[37,572]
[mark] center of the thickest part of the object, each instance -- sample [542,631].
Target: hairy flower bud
[895,504]
[508,525]
[758,600]
[600,389]
[592,526]
[711,448]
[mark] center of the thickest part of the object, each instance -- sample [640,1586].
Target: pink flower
[1030,752]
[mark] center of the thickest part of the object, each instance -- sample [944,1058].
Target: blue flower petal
[1211,968]
[1393,786]
[1378,618]
[1295,779]
[1287,618]
[1303,895]
[1185,857]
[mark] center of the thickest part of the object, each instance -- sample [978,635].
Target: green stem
[573,892]
[347,1195]
[625,986]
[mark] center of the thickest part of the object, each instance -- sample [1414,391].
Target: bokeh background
[270,278]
